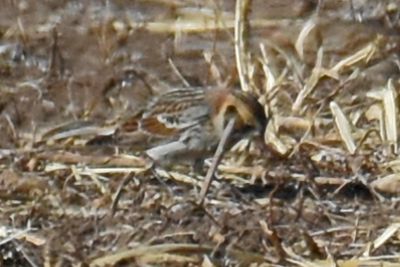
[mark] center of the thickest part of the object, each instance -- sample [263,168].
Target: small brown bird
[187,124]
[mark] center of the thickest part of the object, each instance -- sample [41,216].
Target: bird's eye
[230,112]
[170,120]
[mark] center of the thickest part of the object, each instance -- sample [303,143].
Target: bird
[187,123]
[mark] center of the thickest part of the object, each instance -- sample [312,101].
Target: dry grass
[324,192]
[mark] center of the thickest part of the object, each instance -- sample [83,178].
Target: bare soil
[65,65]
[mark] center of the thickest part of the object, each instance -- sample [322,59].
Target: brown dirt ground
[84,62]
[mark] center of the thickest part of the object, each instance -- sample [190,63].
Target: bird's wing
[174,112]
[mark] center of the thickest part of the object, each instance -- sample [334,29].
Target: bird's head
[244,106]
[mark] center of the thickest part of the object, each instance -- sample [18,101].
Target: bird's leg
[216,159]
[197,166]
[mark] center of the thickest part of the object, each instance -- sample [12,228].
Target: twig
[178,73]
[24,253]
[117,195]
[216,159]
[56,60]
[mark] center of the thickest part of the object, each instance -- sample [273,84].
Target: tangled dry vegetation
[324,193]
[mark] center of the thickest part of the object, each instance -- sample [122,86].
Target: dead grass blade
[317,73]
[385,236]
[364,54]
[390,108]
[241,53]
[388,184]
[343,126]
[388,121]
[268,73]
[121,160]
[305,31]
[179,177]
[152,254]
[73,129]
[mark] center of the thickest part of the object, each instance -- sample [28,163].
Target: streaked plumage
[187,123]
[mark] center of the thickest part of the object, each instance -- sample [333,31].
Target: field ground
[325,192]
